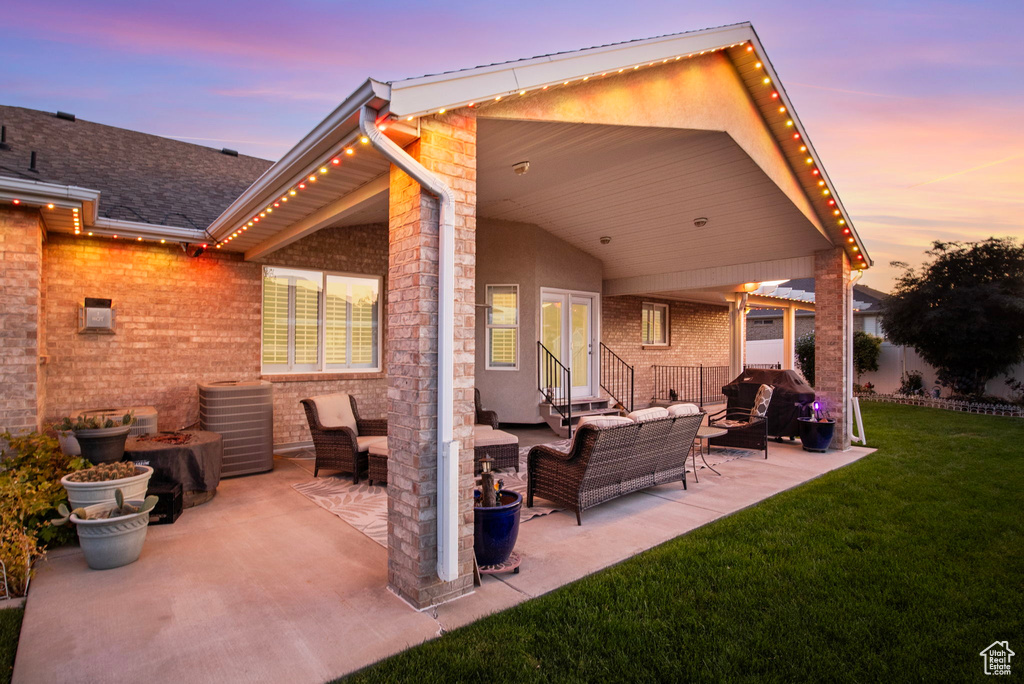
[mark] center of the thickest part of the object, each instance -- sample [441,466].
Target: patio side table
[704,434]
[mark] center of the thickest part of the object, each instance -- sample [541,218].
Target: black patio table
[195,464]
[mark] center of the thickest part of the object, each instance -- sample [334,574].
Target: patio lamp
[485,464]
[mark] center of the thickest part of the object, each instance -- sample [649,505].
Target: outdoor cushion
[644,415]
[761,401]
[494,438]
[603,421]
[481,429]
[364,443]
[379,449]
[683,410]
[335,410]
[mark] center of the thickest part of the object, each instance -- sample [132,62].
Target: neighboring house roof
[865,299]
[140,177]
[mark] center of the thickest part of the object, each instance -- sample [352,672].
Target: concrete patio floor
[261,585]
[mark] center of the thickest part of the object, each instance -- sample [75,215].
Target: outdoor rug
[365,507]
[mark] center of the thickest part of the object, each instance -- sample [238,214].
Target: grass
[900,567]
[10,626]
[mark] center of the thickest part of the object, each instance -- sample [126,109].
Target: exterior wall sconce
[96,316]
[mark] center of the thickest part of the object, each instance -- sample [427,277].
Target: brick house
[420,242]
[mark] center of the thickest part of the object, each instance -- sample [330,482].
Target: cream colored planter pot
[83,494]
[111,542]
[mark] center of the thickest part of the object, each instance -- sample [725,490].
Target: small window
[315,321]
[654,325]
[502,327]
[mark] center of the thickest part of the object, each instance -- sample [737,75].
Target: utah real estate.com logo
[997,658]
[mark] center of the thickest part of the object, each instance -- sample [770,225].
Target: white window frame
[321,366]
[490,326]
[655,306]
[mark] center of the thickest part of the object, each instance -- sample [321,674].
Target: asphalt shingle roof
[141,177]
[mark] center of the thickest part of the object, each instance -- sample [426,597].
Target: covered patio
[585,174]
[261,585]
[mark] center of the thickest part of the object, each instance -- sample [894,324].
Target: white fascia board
[146,231]
[39,192]
[307,152]
[418,96]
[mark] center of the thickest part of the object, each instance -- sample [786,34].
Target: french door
[568,329]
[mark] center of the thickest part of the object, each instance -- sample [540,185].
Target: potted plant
[98,484]
[816,430]
[111,535]
[495,519]
[100,438]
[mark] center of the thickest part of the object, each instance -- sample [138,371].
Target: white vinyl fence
[892,364]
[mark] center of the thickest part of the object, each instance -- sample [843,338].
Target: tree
[963,311]
[866,350]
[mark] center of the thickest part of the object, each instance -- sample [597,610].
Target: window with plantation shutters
[654,325]
[315,321]
[502,327]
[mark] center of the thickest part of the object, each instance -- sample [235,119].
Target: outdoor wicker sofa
[340,437]
[612,457]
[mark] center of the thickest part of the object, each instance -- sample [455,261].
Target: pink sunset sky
[916,108]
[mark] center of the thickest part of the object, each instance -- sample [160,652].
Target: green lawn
[900,567]
[10,625]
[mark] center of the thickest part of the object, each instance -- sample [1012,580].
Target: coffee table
[705,434]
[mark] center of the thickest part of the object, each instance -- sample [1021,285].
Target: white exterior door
[568,330]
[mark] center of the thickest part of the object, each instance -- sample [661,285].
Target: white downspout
[447,448]
[851,400]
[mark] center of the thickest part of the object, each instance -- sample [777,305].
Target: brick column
[21,342]
[833,332]
[447,147]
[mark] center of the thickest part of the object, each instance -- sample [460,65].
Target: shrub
[30,470]
[866,350]
[912,383]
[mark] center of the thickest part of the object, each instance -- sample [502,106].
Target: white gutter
[447,447]
[291,167]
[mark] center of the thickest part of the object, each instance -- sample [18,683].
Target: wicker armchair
[743,431]
[484,417]
[337,448]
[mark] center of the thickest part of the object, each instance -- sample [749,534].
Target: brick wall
[773,330]
[699,334]
[359,249]
[447,147]
[21,310]
[181,321]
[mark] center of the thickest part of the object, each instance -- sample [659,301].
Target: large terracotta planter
[495,529]
[84,494]
[103,445]
[111,542]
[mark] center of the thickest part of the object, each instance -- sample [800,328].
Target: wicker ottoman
[502,447]
[377,460]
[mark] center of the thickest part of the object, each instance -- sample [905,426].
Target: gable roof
[141,177]
[399,105]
